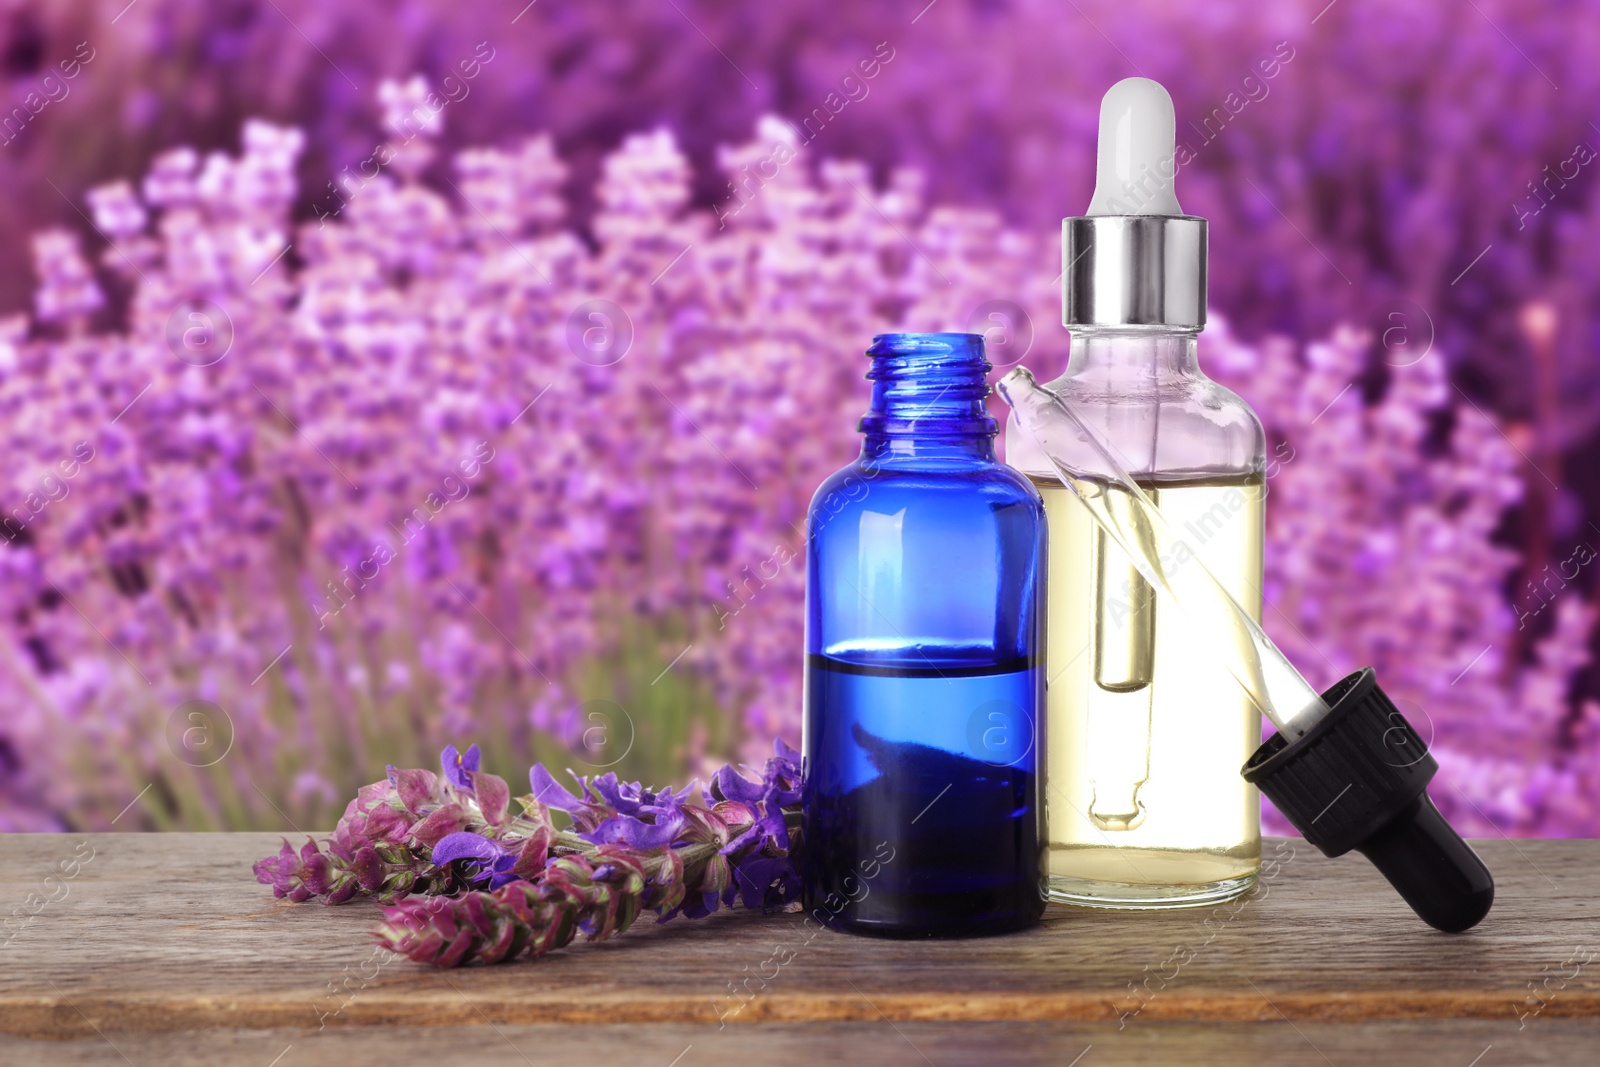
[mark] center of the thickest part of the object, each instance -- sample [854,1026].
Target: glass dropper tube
[1164,558]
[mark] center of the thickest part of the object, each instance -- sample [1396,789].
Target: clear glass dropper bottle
[1145,806]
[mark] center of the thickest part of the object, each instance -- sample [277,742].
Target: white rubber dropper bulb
[1137,158]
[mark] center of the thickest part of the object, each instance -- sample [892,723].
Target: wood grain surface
[163,949]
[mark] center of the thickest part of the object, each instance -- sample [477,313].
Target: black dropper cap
[1358,780]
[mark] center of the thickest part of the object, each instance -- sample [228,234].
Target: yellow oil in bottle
[1146,730]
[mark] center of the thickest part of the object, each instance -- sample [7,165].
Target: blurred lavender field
[337,430]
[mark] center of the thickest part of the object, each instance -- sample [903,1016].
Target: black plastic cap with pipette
[1358,779]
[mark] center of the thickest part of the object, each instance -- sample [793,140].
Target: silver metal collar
[1134,270]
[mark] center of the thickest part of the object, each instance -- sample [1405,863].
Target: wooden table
[163,950]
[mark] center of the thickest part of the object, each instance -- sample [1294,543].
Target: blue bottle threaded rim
[928,385]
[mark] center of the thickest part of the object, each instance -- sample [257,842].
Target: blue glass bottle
[924,682]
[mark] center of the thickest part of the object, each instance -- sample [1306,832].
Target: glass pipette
[1163,557]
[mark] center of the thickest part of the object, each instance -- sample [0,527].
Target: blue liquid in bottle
[924,687]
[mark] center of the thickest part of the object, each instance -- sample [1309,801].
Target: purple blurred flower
[397,346]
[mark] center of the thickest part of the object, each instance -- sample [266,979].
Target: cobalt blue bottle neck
[927,398]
